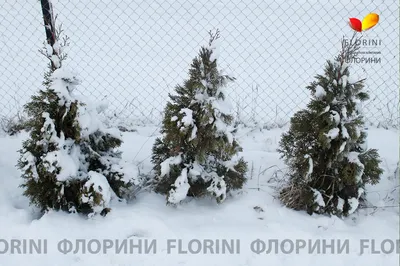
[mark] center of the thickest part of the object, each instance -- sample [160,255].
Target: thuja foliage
[197,153]
[69,162]
[325,147]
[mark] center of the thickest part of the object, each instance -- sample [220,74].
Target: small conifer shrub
[325,147]
[197,154]
[70,161]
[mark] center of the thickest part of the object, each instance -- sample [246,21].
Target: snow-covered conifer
[198,154]
[325,147]
[70,161]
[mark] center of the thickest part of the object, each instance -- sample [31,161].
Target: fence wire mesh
[132,53]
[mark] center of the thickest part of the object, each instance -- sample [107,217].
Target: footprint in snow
[138,234]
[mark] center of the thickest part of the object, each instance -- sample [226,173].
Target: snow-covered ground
[247,216]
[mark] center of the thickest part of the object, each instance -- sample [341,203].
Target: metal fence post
[49,25]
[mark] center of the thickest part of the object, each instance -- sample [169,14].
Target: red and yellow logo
[368,22]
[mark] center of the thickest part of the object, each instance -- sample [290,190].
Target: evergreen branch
[213,36]
[349,49]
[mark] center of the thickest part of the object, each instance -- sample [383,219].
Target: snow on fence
[131,54]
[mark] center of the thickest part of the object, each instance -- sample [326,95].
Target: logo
[368,22]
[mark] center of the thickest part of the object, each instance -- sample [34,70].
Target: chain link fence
[132,53]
